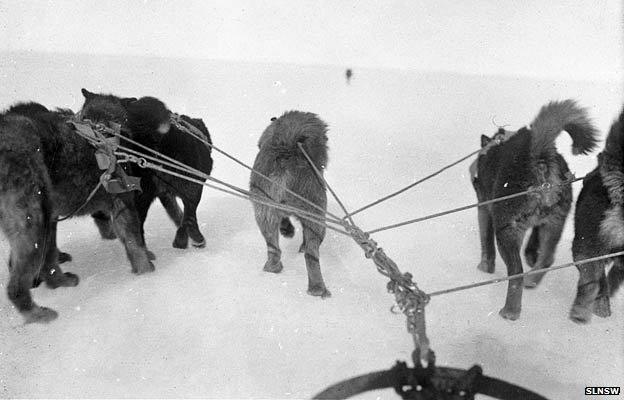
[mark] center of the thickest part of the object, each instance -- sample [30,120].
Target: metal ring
[142,162]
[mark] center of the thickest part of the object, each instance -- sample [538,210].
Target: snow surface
[210,323]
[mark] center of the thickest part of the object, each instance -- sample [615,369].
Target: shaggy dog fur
[46,171]
[599,229]
[513,162]
[281,159]
[145,123]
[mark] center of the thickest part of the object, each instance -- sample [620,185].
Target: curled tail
[611,162]
[557,116]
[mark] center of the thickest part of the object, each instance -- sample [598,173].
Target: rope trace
[418,182]
[237,192]
[173,163]
[543,188]
[131,155]
[193,131]
[409,298]
[532,272]
[323,180]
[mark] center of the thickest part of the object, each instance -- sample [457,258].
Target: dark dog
[146,127]
[599,229]
[281,159]
[48,170]
[513,162]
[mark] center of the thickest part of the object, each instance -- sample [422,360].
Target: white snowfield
[210,323]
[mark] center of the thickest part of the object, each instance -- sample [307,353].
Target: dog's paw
[580,314]
[181,239]
[602,307]
[108,234]
[64,257]
[62,279]
[319,291]
[532,281]
[199,245]
[511,315]
[274,267]
[144,268]
[486,266]
[530,257]
[39,315]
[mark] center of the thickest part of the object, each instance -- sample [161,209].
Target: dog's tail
[557,116]
[611,162]
[283,136]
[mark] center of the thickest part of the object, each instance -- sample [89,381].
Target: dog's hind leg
[50,272]
[602,304]
[191,203]
[103,222]
[616,275]
[172,208]
[189,227]
[27,255]
[486,233]
[313,235]
[532,247]
[268,221]
[548,236]
[143,202]
[127,227]
[509,240]
[23,264]
[589,285]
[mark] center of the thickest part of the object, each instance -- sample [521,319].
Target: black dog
[599,229]
[145,125]
[513,162]
[47,170]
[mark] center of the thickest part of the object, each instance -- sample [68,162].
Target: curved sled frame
[438,383]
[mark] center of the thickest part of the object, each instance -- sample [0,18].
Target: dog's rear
[281,159]
[528,159]
[25,210]
[599,229]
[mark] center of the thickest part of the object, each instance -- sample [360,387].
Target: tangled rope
[409,298]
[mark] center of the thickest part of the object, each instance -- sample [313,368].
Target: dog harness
[499,137]
[114,179]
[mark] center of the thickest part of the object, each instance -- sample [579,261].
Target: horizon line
[615,78]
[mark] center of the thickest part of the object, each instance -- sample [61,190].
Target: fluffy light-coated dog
[281,159]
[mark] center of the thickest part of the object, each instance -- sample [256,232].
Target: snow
[210,323]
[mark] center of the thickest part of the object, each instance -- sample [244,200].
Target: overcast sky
[547,38]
